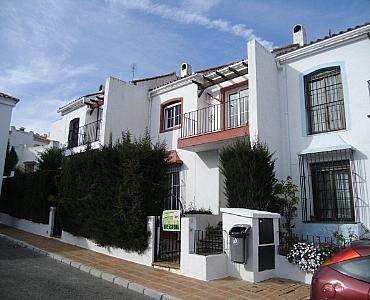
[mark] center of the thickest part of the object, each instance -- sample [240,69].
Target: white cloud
[40,70]
[183,16]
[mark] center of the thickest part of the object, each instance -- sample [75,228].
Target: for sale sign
[171,220]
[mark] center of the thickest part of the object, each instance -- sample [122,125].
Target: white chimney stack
[185,70]
[299,35]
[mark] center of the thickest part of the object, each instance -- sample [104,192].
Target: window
[171,112]
[172,116]
[332,191]
[73,133]
[355,268]
[173,199]
[329,186]
[324,100]
[237,108]
[29,166]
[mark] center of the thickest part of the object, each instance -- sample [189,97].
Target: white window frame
[176,118]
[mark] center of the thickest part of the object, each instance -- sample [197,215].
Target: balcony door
[236,108]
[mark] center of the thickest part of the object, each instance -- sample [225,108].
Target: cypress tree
[249,175]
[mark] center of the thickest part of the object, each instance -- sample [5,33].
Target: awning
[173,158]
[326,143]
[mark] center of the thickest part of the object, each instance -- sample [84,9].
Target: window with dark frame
[73,133]
[173,199]
[172,115]
[330,186]
[324,100]
[332,191]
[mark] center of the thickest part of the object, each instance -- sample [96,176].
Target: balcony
[214,126]
[84,135]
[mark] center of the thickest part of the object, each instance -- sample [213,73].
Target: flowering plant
[310,256]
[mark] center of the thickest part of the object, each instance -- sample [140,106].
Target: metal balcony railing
[86,134]
[230,114]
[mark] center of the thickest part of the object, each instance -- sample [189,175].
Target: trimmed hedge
[249,175]
[107,194]
[26,196]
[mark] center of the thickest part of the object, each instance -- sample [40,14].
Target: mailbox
[239,243]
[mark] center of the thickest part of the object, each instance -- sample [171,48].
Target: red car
[345,276]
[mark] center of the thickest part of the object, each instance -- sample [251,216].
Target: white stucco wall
[125,107]
[145,258]
[6,107]
[264,102]
[199,176]
[59,129]
[355,70]
[26,225]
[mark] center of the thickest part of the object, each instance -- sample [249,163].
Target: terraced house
[309,101]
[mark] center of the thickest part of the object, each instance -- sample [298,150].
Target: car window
[356,268]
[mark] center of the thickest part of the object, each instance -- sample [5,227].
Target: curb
[94,272]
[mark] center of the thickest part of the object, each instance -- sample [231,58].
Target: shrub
[50,159]
[107,194]
[286,204]
[249,175]
[27,196]
[310,256]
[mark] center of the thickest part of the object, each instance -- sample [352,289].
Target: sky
[54,51]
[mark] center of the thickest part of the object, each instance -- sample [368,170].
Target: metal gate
[57,228]
[167,244]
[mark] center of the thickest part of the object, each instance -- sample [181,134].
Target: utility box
[239,243]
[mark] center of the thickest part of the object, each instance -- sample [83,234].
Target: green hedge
[249,175]
[26,196]
[107,194]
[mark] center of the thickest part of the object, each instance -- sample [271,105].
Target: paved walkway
[172,284]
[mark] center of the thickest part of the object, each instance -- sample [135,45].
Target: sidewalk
[169,283]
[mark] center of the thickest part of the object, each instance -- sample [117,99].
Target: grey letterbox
[239,243]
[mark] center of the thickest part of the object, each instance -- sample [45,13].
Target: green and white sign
[171,220]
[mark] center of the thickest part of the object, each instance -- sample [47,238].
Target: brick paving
[172,284]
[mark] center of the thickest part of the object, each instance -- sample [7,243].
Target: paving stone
[136,287]
[153,293]
[75,264]
[108,276]
[121,282]
[95,272]
[56,257]
[85,268]
[66,261]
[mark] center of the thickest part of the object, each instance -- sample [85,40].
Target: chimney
[22,128]
[299,35]
[185,70]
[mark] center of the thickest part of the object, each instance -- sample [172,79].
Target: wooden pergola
[221,75]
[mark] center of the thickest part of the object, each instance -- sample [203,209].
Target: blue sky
[55,51]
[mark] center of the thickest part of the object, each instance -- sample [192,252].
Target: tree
[50,160]
[249,175]
[11,160]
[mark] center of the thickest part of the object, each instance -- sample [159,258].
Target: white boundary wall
[199,266]
[145,259]
[22,224]
[287,270]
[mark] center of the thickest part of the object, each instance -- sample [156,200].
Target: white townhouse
[7,103]
[99,117]
[308,101]
[28,146]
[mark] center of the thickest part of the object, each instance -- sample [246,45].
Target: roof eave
[327,43]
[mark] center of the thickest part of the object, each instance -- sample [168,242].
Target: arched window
[73,133]
[324,100]
[170,117]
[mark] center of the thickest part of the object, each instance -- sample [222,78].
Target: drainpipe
[287,120]
[149,111]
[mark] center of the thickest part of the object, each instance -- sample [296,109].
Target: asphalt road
[25,274]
